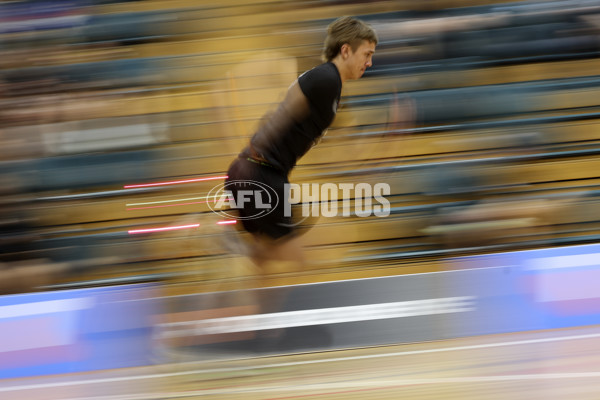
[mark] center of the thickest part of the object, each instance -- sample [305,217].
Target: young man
[300,120]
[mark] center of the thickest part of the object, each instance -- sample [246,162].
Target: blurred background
[118,118]
[481,115]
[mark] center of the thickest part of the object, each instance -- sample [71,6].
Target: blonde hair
[346,30]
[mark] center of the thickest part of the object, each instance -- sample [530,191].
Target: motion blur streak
[141,185]
[167,205]
[229,222]
[163,229]
[166,201]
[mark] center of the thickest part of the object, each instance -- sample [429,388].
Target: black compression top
[322,86]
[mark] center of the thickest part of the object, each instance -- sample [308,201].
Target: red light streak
[167,205]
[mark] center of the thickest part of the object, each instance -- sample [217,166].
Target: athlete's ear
[345,50]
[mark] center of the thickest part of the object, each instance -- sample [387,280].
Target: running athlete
[307,110]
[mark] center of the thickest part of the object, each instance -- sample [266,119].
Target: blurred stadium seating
[502,152]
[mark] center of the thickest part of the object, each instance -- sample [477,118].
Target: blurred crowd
[498,149]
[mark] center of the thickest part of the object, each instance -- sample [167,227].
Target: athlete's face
[360,59]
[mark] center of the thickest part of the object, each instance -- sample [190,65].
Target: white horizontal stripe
[572,261]
[322,316]
[44,307]
[348,386]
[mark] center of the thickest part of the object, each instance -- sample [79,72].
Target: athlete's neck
[341,67]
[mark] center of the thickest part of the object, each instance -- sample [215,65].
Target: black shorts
[274,224]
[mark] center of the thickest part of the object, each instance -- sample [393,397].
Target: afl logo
[256,198]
